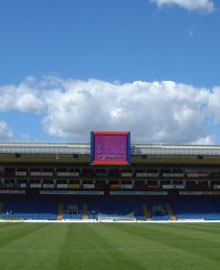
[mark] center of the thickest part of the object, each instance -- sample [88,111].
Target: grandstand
[58,182]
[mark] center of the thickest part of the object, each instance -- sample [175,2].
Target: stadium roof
[84,149]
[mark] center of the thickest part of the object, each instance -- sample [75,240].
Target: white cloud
[25,137]
[6,134]
[214,101]
[23,98]
[204,140]
[192,5]
[154,112]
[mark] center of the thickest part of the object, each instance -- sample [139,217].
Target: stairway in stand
[1,206]
[59,211]
[146,211]
[170,211]
[85,211]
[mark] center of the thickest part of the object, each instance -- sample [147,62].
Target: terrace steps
[60,211]
[85,211]
[146,211]
[170,211]
[1,206]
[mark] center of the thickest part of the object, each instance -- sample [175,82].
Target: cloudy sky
[151,67]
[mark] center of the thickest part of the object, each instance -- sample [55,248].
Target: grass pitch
[109,246]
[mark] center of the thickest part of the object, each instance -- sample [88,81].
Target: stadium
[60,182]
[109,204]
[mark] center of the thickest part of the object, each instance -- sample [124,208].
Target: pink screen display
[110,147]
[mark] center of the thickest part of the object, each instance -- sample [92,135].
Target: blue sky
[68,67]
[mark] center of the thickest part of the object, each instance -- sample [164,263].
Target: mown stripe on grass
[94,251]
[110,246]
[34,249]
[15,233]
[168,243]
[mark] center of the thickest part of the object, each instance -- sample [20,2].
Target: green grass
[109,246]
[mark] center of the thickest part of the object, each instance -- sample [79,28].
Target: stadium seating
[72,209]
[116,209]
[109,209]
[197,209]
[158,210]
[29,209]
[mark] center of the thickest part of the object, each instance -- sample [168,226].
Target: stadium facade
[59,178]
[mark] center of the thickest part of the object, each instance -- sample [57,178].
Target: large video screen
[110,148]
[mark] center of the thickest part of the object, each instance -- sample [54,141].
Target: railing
[44,149]
[176,150]
[84,149]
